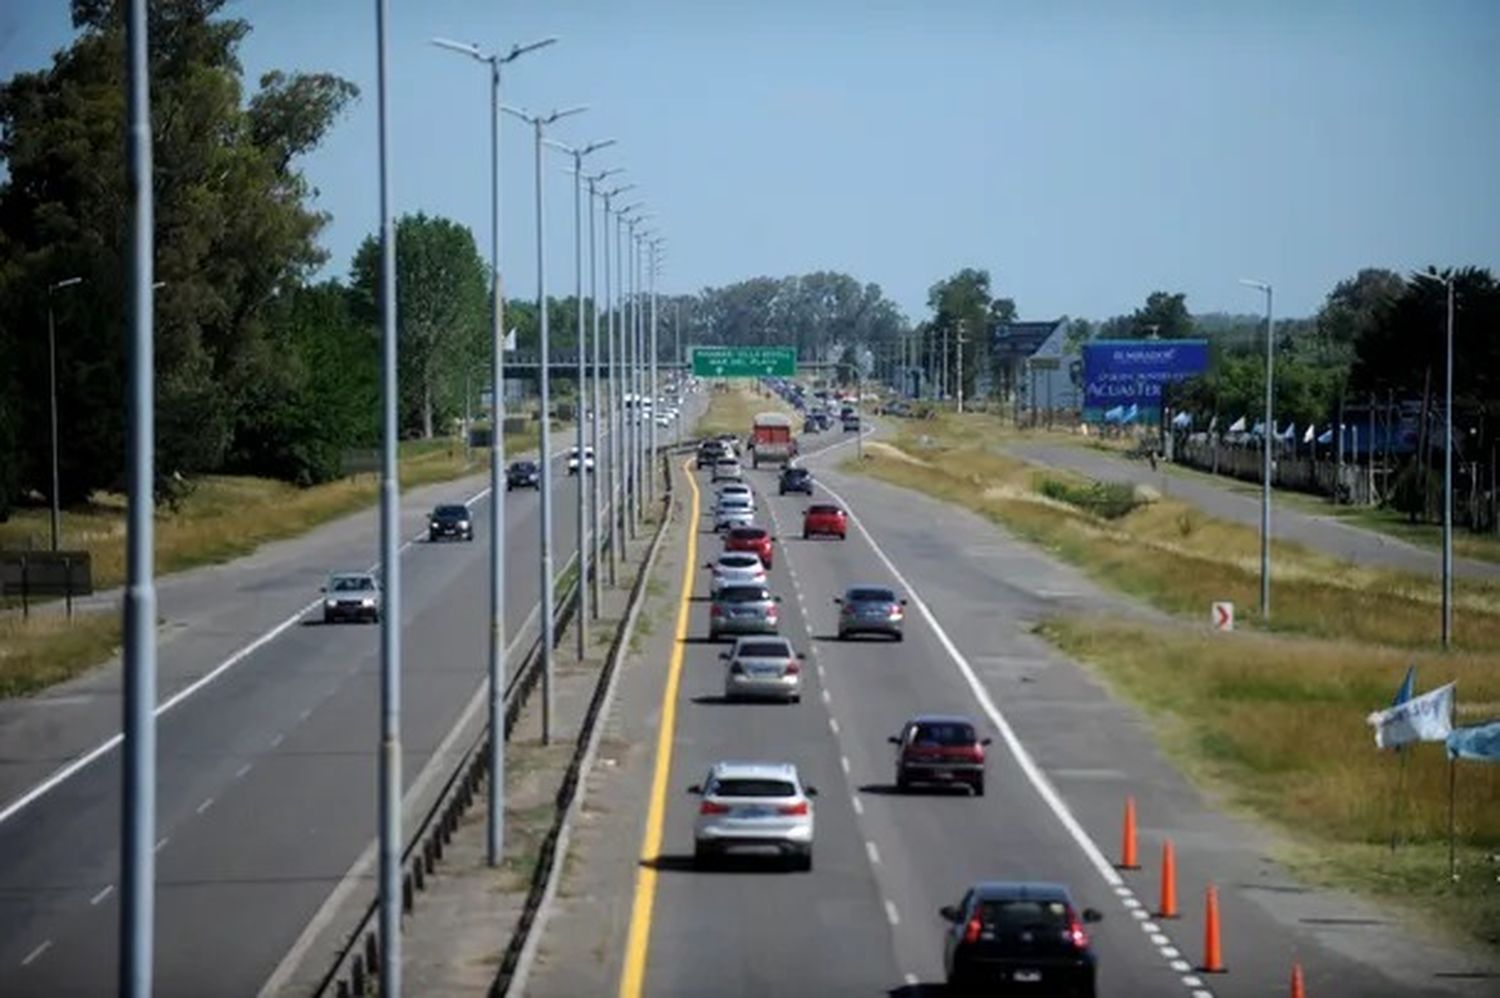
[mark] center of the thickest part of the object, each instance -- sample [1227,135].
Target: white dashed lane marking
[873,853]
[844,762]
[278,739]
[207,803]
[891,914]
[242,771]
[162,844]
[108,890]
[859,807]
[833,725]
[45,945]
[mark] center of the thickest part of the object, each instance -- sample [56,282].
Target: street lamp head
[620,190]
[604,173]
[466,48]
[516,51]
[66,282]
[1258,285]
[563,113]
[627,209]
[521,113]
[596,146]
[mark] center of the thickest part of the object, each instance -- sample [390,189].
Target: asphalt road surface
[267,775]
[864,920]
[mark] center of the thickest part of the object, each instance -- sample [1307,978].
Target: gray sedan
[871,610]
[743,609]
[766,668]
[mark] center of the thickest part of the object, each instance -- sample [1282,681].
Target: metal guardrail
[352,971]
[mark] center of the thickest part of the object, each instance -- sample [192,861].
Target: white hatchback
[755,806]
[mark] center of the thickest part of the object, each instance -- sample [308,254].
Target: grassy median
[1276,727]
[732,407]
[38,651]
[1170,554]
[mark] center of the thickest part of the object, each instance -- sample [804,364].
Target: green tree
[1164,315]
[442,310]
[962,306]
[232,233]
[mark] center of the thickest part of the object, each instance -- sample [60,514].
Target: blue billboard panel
[1123,379]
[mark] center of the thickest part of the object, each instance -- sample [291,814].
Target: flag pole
[1401,753]
[1452,858]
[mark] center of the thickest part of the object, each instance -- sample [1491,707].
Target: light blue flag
[1131,413]
[1481,742]
[1326,437]
[1408,686]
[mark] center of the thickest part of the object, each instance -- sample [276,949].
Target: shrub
[1107,500]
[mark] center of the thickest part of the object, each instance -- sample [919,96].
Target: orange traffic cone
[1127,845]
[1213,957]
[1299,990]
[1168,906]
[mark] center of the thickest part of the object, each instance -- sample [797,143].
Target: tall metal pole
[655,392]
[390,568]
[1448,482]
[617,377]
[545,448]
[959,347]
[138,831]
[598,443]
[495,806]
[632,410]
[1265,490]
[52,395]
[637,370]
[613,402]
[584,473]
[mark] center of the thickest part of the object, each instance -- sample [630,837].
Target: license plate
[754,812]
[1027,976]
[766,673]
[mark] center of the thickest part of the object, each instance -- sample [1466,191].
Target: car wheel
[327,617]
[802,859]
[375,617]
[903,785]
[978,786]
[795,698]
[703,855]
[805,535]
[899,636]
[843,634]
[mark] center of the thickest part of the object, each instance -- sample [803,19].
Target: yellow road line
[632,977]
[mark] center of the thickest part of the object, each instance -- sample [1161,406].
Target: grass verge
[38,651]
[226,516]
[732,409]
[1174,557]
[1277,727]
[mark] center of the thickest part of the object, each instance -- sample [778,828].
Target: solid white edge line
[66,772]
[45,945]
[1018,751]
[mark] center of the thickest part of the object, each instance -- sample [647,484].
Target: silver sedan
[763,668]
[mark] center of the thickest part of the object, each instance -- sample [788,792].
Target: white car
[736,489]
[763,667]
[754,805]
[733,511]
[356,596]
[727,469]
[733,567]
[588,459]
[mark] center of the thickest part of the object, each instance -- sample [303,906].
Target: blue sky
[1085,153]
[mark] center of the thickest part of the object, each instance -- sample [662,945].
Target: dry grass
[1171,555]
[732,409]
[1278,727]
[47,648]
[226,517]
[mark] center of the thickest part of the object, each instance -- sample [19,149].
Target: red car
[940,749]
[824,518]
[756,540]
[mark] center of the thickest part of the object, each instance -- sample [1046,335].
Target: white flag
[510,340]
[1427,718]
[1238,426]
[1311,433]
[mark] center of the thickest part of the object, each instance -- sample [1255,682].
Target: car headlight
[330,603]
[367,603]
[463,524]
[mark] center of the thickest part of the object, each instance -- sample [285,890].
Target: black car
[450,521]
[1023,937]
[523,475]
[795,480]
[710,451]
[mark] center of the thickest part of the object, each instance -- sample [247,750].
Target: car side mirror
[838,600]
[903,602]
[893,739]
[695,789]
[802,655]
[708,564]
[724,654]
[1092,915]
[949,913]
[810,791]
[776,598]
[322,589]
[985,741]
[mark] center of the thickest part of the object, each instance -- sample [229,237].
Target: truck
[771,439]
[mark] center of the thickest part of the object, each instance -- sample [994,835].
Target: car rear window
[1026,914]
[739,560]
[743,594]
[747,534]
[943,733]
[458,511]
[822,509]
[764,649]
[753,788]
[871,596]
[726,461]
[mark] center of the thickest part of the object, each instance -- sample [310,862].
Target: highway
[864,921]
[267,774]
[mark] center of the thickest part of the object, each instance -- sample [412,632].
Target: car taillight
[798,808]
[972,930]
[792,669]
[716,610]
[896,613]
[709,807]
[1076,935]
[772,615]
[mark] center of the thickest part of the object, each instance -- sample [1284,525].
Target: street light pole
[1268,430]
[52,393]
[1448,481]
[655,390]
[611,284]
[598,441]
[544,457]
[495,694]
[585,471]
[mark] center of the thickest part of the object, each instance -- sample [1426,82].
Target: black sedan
[523,475]
[795,480]
[450,521]
[1026,936]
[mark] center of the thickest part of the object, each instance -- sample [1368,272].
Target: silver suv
[727,469]
[351,596]
[732,567]
[758,805]
[743,608]
[768,668]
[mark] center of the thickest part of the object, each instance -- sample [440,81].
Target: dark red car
[824,519]
[756,540]
[940,749]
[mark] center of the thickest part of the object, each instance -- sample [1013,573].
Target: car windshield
[523,466]
[752,788]
[871,596]
[764,649]
[453,511]
[1023,914]
[943,733]
[747,534]
[352,583]
[739,561]
[795,473]
[743,594]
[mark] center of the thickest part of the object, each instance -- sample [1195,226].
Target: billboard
[1123,379]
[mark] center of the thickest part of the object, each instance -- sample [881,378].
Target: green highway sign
[744,362]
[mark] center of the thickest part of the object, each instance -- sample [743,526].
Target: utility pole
[1268,431]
